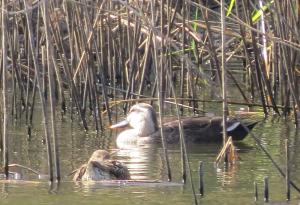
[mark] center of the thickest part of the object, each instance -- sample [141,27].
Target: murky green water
[232,185]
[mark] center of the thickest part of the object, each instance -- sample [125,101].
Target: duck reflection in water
[144,128]
[101,167]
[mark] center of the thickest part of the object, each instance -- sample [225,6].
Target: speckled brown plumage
[101,167]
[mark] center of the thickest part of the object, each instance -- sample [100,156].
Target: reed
[4,89]
[51,83]
[287,170]
[81,55]
[266,189]
[201,182]
[255,192]
[42,97]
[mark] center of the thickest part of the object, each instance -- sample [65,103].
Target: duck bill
[121,124]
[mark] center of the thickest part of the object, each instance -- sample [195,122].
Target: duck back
[205,129]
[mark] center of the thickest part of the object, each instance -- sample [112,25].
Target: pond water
[223,185]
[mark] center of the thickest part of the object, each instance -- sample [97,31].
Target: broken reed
[94,49]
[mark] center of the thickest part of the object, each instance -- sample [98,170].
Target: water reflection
[11,176]
[140,160]
[226,174]
[4,192]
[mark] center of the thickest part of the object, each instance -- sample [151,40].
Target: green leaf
[232,2]
[257,13]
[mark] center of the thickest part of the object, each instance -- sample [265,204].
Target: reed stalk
[224,73]
[39,84]
[4,88]
[159,92]
[50,66]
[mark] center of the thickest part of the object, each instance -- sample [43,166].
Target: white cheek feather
[141,122]
[140,119]
[135,120]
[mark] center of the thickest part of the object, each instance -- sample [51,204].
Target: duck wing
[206,129]
[93,170]
[116,169]
[80,172]
[119,170]
[97,170]
[236,128]
[202,129]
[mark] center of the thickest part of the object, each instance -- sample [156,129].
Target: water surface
[223,185]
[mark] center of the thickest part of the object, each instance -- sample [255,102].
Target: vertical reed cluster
[78,55]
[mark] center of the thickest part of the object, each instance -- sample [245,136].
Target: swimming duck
[144,128]
[101,167]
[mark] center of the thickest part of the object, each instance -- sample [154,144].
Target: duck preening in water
[101,167]
[144,127]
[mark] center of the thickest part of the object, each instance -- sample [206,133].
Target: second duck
[143,124]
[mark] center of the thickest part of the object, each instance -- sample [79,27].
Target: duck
[144,128]
[100,166]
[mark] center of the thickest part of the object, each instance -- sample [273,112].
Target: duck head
[99,156]
[142,121]
[141,118]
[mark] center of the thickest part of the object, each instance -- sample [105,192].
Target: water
[223,185]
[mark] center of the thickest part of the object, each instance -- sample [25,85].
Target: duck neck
[146,129]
